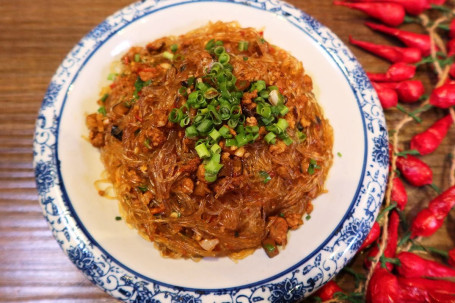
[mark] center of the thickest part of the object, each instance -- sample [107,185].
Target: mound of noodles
[262,191]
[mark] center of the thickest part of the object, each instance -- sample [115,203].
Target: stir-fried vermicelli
[213,141]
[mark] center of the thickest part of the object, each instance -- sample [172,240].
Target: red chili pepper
[452,257]
[431,218]
[414,170]
[413,266]
[392,242]
[452,71]
[399,194]
[408,91]
[383,287]
[387,96]
[416,289]
[327,291]
[412,7]
[451,48]
[452,29]
[372,236]
[425,224]
[429,140]
[420,41]
[443,96]
[442,204]
[397,72]
[392,235]
[391,53]
[389,13]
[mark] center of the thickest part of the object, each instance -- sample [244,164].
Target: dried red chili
[413,265]
[383,287]
[399,194]
[327,291]
[391,53]
[396,72]
[420,41]
[389,13]
[431,218]
[414,170]
[408,91]
[372,236]
[387,96]
[443,96]
[428,141]
[452,257]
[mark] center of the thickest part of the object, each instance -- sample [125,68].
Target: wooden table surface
[35,36]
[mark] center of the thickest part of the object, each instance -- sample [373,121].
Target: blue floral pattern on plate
[292,285]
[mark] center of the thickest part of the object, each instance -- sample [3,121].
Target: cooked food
[213,141]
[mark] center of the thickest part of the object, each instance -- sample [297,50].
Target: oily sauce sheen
[262,190]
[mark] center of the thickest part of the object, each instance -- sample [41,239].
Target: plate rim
[53,92]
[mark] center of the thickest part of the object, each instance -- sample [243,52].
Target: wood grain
[35,36]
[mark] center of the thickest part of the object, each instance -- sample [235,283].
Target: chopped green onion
[252,129]
[282,124]
[265,176]
[215,135]
[243,46]
[102,110]
[219,50]
[143,188]
[175,115]
[147,143]
[111,76]
[202,151]
[215,149]
[191,131]
[218,43]
[288,141]
[104,97]
[301,136]
[270,138]
[224,132]
[182,91]
[213,166]
[209,45]
[174,48]
[312,166]
[282,109]
[224,58]
[211,93]
[118,218]
[205,126]
[190,81]
[168,55]
[185,121]
[245,58]
[339,154]
[258,86]
[231,142]
[210,177]
[241,139]
[137,58]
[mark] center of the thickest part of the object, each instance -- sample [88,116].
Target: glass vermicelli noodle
[213,141]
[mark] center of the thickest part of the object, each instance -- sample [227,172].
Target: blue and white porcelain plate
[115,257]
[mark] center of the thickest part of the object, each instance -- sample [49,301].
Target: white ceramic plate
[129,268]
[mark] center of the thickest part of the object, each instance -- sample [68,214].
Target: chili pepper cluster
[398,268]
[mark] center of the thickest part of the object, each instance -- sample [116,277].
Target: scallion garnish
[137,58]
[102,110]
[213,109]
[265,176]
[168,55]
[143,188]
[104,97]
[174,48]
[312,166]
